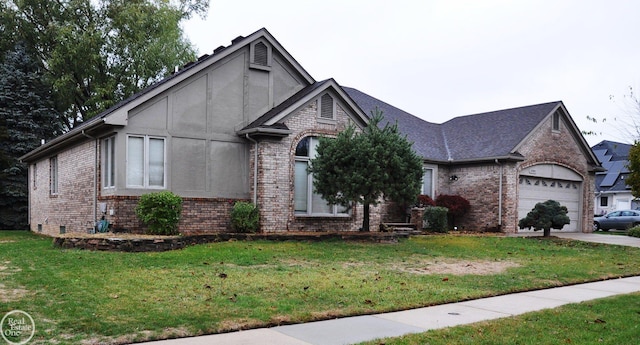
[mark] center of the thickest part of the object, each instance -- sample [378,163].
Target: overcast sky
[442,59]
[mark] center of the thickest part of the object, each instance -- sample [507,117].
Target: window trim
[334,108]
[252,56]
[335,213]
[604,201]
[53,176]
[555,121]
[145,163]
[109,163]
[434,176]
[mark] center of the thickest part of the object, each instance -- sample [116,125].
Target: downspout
[500,196]
[255,169]
[95,179]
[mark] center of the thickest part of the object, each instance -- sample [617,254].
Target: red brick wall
[199,215]
[480,183]
[72,207]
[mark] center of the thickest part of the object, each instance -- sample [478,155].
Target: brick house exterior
[240,124]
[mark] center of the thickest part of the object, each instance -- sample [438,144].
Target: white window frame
[53,175]
[333,108]
[555,121]
[109,162]
[434,174]
[335,209]
[252,55]
[145,164]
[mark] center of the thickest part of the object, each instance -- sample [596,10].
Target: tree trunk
[547,232]
[365,218]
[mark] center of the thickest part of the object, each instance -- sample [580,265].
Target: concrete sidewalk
[369,327]
[362,328]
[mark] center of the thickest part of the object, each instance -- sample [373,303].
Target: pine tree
[26,117]
[366,167]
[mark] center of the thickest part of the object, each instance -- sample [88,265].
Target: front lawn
[76,296]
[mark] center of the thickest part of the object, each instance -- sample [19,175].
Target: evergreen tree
[546,216]
[26,117]
[365,167]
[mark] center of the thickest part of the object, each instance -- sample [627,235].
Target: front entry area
[544,182]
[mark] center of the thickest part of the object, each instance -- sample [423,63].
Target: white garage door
[536,189]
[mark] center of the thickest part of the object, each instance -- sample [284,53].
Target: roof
[615,159]
[478,137]
[272,118]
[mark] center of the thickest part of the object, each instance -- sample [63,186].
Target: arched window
[306,202]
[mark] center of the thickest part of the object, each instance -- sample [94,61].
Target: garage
[551,182]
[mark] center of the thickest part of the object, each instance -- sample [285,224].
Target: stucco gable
[117,116]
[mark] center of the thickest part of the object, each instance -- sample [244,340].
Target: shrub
[245,217]
[634,232]
[425,201]
[436,218]
[160,211]
[456,205]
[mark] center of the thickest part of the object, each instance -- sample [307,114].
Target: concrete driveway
[622,240]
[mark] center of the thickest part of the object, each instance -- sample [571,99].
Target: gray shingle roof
[427,137]
[472,137]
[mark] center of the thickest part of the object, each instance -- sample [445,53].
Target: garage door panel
[535,189]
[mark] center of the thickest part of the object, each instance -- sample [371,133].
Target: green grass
[612,321]
[77,295]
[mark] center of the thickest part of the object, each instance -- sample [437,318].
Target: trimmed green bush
[436,218]
[245,217]
[634,232]
[160,211]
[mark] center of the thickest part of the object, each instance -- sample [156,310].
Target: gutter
[500,194]
[265,131]
[255,168]
[95,178]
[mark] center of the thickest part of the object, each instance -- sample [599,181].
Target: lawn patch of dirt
[455,267]
[6,294]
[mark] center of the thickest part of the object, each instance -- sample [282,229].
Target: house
[242,124]
[612,193]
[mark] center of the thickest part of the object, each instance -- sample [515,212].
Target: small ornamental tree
[546,216]
[364,167]
[456,205]
[160,211]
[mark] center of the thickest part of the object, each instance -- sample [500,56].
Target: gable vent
[260,54]
[326,107]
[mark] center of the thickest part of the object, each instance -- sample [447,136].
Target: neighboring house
[242,124]
[612,192]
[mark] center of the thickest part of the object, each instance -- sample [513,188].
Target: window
[427,182]
[34,171]
[306,202]
[145,162]
[260,56]
[556,121]
[604,201]
[53,175]
[326,107]
[108,162]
